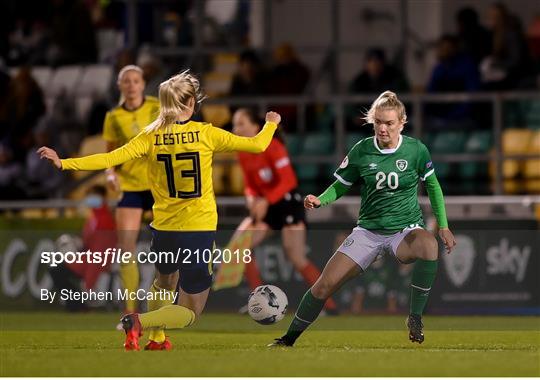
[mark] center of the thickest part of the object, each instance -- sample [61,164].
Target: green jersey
[389,182]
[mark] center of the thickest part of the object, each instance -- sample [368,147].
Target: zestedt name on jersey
[176,138]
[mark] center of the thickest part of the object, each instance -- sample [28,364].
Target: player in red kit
[273,202]
[98,235]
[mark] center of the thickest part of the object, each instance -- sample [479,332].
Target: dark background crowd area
[488,52]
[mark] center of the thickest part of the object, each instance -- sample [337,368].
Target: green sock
[308,310]
[424,273]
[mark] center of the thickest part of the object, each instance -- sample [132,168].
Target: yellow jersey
[179,160]
[120,126]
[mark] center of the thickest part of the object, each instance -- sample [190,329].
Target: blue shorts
[192,253]
[137,199]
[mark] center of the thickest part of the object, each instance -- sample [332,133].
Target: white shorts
[364,246]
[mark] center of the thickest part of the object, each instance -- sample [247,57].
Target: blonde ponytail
[388,100]
[174,96]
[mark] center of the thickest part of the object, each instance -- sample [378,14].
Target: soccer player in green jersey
[388,167]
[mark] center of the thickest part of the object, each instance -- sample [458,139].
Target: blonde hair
[388,100]
[123,72]
[174,96]
[127,68]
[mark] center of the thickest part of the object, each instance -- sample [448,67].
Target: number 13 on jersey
[193,174]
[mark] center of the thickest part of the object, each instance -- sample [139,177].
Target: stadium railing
[232,209]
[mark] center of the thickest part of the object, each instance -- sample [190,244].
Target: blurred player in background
[273,202]
[388,166]
[383,288]
[134,112]
[98,235]
[179,153]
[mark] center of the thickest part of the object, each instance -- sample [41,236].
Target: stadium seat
[42,75]
[236,179]
[532,186]
[218,175]
[444,169]
[326,119]
[514,141]
[65,78]
[531,170]
[217,114]
[514,112]
[307,172]
[318,144]
[306,175]
[447,142]
[470,170]
[314,144]
[293,144]
[512,186]
[478,142]
[427,138]
[95,80]
[532,118]
[217,83]
[352,139]
[227,175]
[226,63]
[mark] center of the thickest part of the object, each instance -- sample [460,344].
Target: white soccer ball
[267,304]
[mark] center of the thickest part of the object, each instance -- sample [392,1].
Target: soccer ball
[267,304]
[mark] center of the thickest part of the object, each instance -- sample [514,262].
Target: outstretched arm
[331,194]
[228,142]
[436,199]
[136,148]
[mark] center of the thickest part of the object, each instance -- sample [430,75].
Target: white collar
[387,151]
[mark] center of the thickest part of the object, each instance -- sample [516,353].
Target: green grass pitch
[56,344]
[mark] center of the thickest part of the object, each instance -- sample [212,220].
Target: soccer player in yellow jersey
[123,123]
[179,153]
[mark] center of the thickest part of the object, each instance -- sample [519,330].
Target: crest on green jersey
[401,165]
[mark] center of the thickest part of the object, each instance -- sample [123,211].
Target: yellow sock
[129,276]
[168,317]
[158,335]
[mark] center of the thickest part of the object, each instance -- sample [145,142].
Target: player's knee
[430,249]
[196,316]
[128,244]
[197,312]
